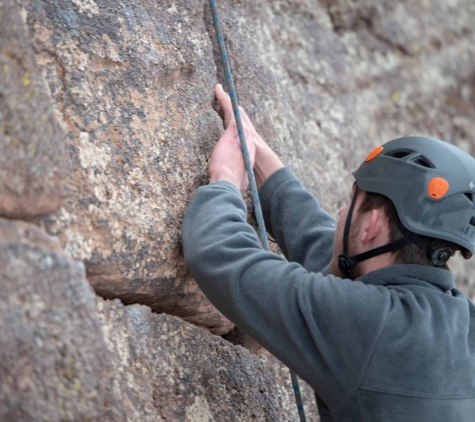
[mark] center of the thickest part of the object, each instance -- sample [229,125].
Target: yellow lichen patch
[70,371]
[26,79]
[396,96]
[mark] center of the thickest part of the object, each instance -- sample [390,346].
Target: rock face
[53,353]
[110,102]
[33,160]
[132,93]
[68,355]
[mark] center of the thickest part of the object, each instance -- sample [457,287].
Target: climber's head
[419,192]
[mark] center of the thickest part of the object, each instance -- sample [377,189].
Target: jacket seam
[359,386]
[419,396]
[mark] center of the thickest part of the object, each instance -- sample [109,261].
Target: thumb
[226,104]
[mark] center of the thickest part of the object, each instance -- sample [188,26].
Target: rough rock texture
[183,373]
[68,355]
[33,159]
[325,82]
[131,87]
[111,101]
[53,361]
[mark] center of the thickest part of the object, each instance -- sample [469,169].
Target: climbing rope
[247,160]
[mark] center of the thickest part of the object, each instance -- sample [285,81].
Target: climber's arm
[288,207]
[293,216]
[323,328]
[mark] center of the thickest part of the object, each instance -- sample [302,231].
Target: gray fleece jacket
[398,344]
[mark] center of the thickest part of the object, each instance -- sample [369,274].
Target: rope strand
[247,160]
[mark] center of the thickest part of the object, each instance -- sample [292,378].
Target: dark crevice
[239,338]
[369,25]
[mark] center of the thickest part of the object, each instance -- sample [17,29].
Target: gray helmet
[431,184]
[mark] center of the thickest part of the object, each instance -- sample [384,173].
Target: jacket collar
[409,274]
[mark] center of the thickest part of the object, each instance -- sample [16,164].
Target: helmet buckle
[344,264]
[439,257]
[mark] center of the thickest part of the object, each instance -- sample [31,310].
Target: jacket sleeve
[293,216]
[322,327]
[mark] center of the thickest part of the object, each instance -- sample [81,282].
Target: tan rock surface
[68,355]
[33,160]
[131,92]
[54,362]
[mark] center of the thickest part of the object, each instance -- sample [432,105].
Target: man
[365,310]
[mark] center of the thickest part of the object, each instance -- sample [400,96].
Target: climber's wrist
[227,176]
[267,163]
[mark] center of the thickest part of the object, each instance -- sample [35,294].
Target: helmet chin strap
[346,263]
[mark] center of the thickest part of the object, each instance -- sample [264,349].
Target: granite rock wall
[107,120]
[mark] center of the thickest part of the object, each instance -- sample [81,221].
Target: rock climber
[365,309]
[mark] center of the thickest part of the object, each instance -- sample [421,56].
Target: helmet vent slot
[422,161]
[399,153]
[469,195]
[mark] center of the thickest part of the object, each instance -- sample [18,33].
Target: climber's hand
[226,161]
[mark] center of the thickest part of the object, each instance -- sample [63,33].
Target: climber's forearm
[267,162]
